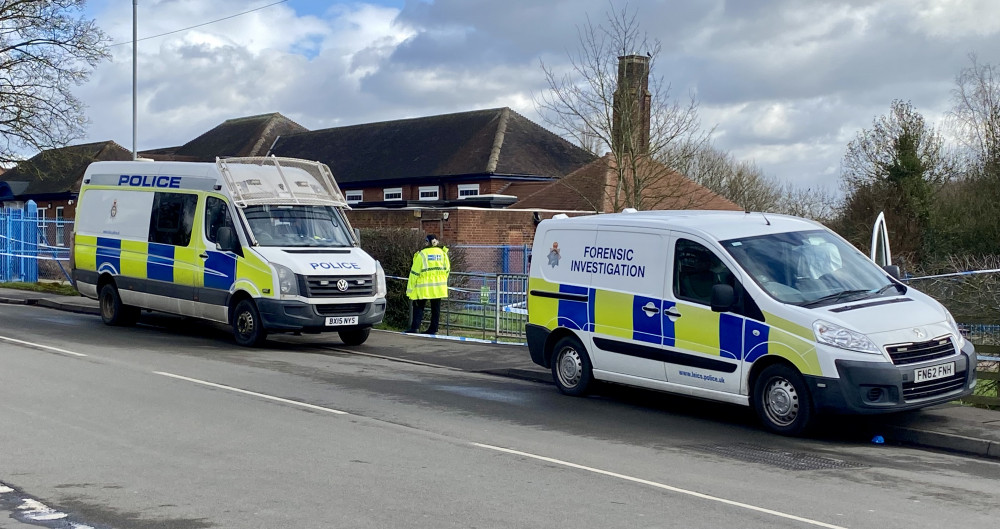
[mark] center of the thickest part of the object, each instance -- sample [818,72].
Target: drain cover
[777,458]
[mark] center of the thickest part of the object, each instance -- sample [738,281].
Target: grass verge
[49,288]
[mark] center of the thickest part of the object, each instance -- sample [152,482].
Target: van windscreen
[810,268]
[300,225]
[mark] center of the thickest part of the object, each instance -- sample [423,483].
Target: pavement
[949,427]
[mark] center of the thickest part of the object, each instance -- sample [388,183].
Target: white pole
[135,6]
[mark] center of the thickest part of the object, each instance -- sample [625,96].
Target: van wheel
[355,336]
[782,400]
[248,328]
[571,369]
[113,311]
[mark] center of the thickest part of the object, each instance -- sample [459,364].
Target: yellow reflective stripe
[134,258]
[792,328]
[188,267]
[85,252]
[613,313]
[251,269]
[800,353]
[697,329]
[542,311]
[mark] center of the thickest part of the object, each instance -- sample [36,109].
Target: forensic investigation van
[261,244]
[762,310]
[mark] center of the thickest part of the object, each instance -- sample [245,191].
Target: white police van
[770,311]
[260,243]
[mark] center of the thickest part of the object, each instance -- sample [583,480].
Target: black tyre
[113,311]
[355,336]
[571,368]
[248,328]
[782,400]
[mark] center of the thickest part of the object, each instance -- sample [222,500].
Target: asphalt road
[168,425]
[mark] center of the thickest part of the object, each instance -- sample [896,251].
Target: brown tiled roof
[61,170]
[497,142]
[589,189]
[246,136]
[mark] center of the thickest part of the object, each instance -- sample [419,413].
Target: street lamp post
[135,6]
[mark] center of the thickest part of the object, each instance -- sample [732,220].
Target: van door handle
[671,313]
[203,255]
[650,309]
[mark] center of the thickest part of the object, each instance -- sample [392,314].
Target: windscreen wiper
[833,298]
[899,289]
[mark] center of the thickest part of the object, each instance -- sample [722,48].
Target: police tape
[456,289]
[465,339]
[514,308]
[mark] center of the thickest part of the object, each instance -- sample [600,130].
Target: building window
[468,190]
[428,192]
[353,197]
[60,227]
[392,193]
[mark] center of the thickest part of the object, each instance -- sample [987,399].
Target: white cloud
[786,83]
[950,19]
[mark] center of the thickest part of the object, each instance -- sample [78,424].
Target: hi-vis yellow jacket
[429,274]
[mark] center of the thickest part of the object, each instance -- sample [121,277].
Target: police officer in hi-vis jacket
[428,281]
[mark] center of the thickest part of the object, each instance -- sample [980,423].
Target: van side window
[696,270]
[216,216]
[172,218]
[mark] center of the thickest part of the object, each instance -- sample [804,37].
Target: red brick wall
[448,191]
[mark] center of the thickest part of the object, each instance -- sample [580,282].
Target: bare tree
[976,113]
[610,104]
[819,204]
[740,181]
[46,48]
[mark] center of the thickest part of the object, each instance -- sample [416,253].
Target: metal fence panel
[32,247]
[496,259]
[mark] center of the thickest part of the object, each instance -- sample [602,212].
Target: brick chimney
[631,106]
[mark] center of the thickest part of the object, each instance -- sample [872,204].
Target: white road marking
[254,393]
[39,346]
[661,486]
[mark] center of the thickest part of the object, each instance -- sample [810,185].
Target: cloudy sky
[786,83]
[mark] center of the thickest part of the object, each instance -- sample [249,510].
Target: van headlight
[956,328]
[838,336]
[288,284]
[380,289]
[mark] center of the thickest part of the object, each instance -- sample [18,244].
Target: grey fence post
[496,308]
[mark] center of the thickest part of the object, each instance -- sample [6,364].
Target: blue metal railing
[25,242]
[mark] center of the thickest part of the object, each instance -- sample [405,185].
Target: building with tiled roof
[52,178]
[593,187]
[246,136]
[465,158]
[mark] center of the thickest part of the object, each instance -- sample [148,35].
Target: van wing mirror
[226,239]
[357,235]
[893,270]
[723,298]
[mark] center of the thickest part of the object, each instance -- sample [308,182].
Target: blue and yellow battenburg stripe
[700,330]
[178,265]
